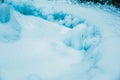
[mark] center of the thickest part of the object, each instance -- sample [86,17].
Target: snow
[37,48]
[22,55]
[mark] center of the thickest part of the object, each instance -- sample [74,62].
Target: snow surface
[34,48]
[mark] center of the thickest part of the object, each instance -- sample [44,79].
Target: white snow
[39,51]
[36,49]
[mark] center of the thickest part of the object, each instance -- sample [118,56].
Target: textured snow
[34,48]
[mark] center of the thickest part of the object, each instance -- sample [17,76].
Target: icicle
[4,12]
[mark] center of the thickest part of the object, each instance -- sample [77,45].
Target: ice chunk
[82,37]
[76,36]
[4,13]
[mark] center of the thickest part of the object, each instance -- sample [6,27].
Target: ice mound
[82,37]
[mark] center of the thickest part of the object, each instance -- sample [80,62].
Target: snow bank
[39,54]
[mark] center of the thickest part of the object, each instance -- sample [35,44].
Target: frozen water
[4,13]
[76,36]
[83,37]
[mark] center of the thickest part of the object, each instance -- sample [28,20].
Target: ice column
[4,12]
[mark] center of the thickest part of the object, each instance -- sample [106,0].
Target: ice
[82,37]
[76,36]
[4,13]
